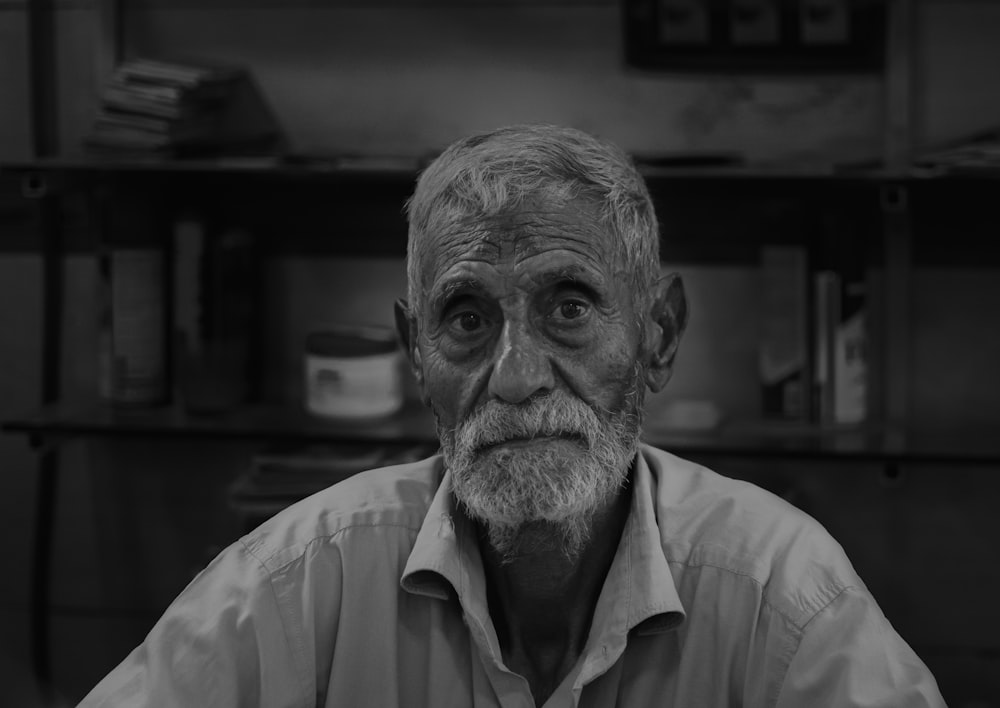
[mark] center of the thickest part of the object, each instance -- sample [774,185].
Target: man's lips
[522,441]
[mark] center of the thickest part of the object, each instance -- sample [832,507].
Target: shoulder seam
[297,646]
[763,595]
[802,630]
[265,563]
[829,602]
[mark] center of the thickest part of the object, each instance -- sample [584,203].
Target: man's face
[529,340]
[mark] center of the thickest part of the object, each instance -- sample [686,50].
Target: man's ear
[668,318]
[406,328]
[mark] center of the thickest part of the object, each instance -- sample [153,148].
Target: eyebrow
[452,288]
[573,274]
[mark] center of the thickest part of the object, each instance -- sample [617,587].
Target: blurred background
[202,236]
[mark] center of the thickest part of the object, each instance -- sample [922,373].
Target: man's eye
[468,321]
[571,310]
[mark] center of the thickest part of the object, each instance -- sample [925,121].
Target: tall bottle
[215,295]
[133,366]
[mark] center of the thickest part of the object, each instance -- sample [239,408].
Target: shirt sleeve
[221,643]
[849,656]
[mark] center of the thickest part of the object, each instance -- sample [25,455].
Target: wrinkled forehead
[517,232]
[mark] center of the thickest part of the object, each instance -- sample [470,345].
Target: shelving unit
[369,200]
[371,207]
[370,196]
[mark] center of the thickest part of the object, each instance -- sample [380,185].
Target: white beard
[543,495]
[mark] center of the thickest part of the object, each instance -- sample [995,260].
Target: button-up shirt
[372,593]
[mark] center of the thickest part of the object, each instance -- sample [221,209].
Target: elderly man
[545,557]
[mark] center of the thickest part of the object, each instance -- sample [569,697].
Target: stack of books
[159,107]
[978,155]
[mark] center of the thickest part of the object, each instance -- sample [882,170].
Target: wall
[956,69]
[408,80]
[404,80]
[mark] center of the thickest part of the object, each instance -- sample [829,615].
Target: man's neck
[542,602]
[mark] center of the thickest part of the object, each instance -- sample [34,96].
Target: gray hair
[487,174]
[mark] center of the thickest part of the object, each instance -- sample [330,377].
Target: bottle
[133,366]
[215,296]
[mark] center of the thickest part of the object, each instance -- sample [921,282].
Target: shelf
[271,423]
[414,425]
[389,166]
[395,175]
[765,439]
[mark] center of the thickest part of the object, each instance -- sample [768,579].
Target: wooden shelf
[348,168]
[869,443]
[408,166]
[414,425]
[257,422]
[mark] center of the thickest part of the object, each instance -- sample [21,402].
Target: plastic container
[353,372]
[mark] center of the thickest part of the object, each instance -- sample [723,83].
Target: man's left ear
[667,319]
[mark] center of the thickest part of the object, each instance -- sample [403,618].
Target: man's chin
[533,537]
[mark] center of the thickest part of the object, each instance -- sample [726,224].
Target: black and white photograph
[500,353]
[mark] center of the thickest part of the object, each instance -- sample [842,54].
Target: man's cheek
[442,386]
[602,387]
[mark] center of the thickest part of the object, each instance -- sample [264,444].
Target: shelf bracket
[897,335]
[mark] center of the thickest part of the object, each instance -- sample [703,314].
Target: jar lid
[351,341]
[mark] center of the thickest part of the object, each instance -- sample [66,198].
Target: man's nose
[522,367]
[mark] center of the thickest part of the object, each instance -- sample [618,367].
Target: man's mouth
[517,442]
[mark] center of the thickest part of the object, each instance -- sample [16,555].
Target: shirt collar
[445,561]
[653,603]
[638,592]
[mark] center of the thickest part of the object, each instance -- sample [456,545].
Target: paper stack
[158,107]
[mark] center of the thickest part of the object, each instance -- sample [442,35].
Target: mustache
[553,415]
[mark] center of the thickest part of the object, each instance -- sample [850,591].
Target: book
[850,361]
[144,89]
[186,74]
[826,304]
[110,121]
[127,101]
[127,138]
[840,363]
